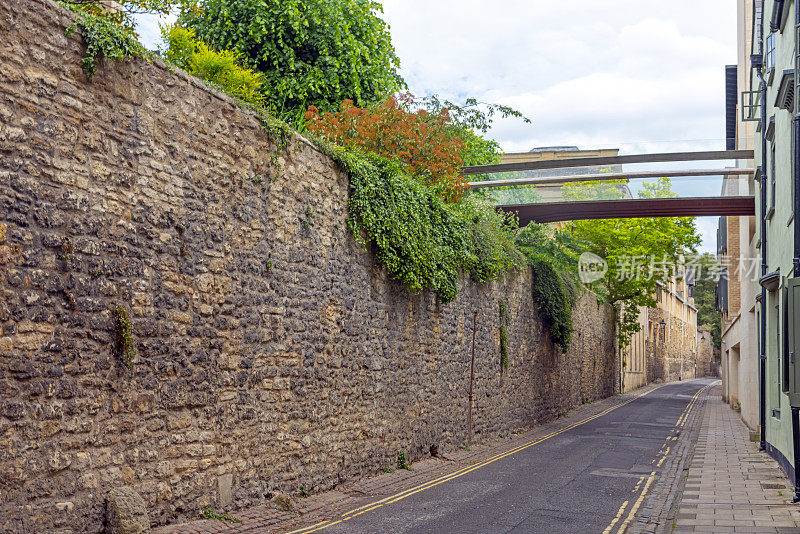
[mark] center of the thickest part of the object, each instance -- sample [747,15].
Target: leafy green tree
[597,190]
[638,251]
[310,52]
[219,68]
[705,296]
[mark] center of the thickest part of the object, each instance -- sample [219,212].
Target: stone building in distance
[666,347]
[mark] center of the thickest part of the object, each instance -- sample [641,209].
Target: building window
[771,193]
[795,146]
[769,53]
[784,346]
[774,353]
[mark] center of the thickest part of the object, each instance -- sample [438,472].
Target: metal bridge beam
[631,208]
[606,160]
[695,173]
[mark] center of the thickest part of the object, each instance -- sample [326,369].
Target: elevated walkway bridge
[540,186]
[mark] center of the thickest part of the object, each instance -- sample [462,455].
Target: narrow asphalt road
[574,482]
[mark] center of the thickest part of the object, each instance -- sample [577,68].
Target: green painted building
[773,103]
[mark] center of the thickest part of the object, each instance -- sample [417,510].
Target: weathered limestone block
[126,512]
[281,501]
[225,485]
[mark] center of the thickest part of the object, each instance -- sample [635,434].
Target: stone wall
[272,352]
[672,351]
[706,355]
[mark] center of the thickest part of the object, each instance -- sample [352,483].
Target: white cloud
[149,31]
[640,76]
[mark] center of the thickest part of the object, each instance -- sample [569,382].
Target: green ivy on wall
[503,335]
[555,296]
[105,37]
[123,325]
[423,241]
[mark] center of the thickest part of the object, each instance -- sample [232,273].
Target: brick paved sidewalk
[331,504]
[730,486]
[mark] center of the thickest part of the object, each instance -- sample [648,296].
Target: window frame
[775,369]
[784,343]
[772,182]
[769,53]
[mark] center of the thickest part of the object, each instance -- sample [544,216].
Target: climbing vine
[503,347]
[503,336]
[422,240]
[107,34]
[553,256]
[67,253]
[555,297]
[127,342]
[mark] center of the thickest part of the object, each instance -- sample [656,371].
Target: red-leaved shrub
[428,146]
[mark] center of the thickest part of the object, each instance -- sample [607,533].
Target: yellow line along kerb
[636,505]
[616,518]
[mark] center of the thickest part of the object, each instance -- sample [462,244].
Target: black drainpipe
[763,335]
[796,451]
[796,165]
[796,259]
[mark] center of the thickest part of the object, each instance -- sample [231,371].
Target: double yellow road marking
[664,452]
[618,516]
[427,485]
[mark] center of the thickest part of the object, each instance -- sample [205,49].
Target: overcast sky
[630,74]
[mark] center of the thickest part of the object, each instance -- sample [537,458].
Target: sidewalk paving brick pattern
[730,486]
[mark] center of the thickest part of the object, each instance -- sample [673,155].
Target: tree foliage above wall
[219,68]
[705,296]
[310,52]
[629,246]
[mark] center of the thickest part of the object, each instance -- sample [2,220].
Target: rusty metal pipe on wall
[471,380]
